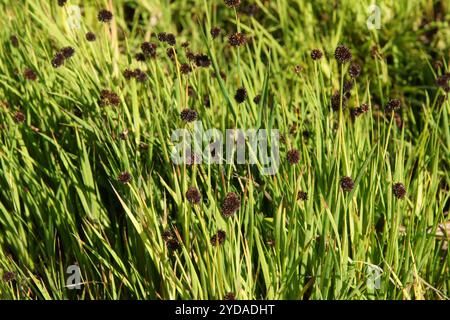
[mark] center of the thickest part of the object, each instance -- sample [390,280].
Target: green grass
[61,203]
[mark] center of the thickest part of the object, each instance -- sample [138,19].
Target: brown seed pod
[188,115]
[237,39]
[241,95]
[293,156]
[124,177]
[399,190]
[230,204]
[342,54]
[347,184]
[193,195]
[316,54]
[105,16]
[90,36]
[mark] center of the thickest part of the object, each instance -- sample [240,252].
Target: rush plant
[87,111]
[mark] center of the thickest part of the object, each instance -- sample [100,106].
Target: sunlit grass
[63,149]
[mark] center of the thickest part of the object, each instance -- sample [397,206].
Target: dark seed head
[14,41]
[336,101]
[185,44]
[140,56]
[140,75]
[202,60]
[218,238]
[149,49]
[354,70]
[293,156]
[257,99]
[173,244]
[399,190]
[171,53]
[128,74]
[190,55]
[393,105]
[360,110]
[342,54]
[347,184]
[193,195]
[185,68]
[170,39]
[188,115]
[68,52]
[237,39]
[229,296]
[348,86]
[316,54]
[232,3]
[355,112]
[105,16]
[302,195]
[58,60]
[162,36]
[230,204]
[61,3]
[108,98]
[29,74]
[241,95]
[124,177]
[364,107]
[90,36]
[19,117]
[215,32]
[114,99]
[104,94]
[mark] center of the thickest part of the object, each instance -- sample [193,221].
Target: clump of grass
[87,175]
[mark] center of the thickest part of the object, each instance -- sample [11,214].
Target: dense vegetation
[86,116]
